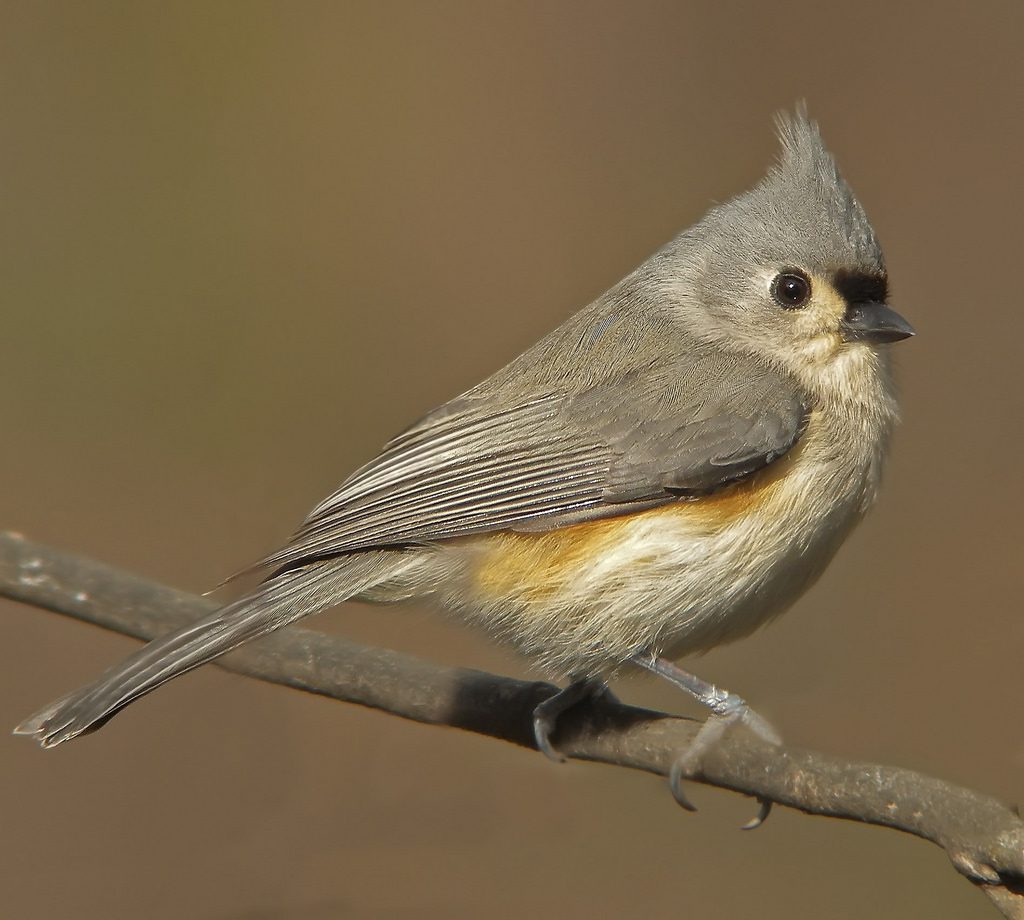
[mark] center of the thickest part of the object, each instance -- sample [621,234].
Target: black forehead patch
[861,287]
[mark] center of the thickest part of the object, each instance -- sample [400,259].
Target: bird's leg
[726,710]
[545,716]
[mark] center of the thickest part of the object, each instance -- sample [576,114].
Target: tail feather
[281,601]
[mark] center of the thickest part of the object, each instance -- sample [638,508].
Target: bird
[665,472]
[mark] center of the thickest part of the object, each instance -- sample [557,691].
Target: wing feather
[483,462]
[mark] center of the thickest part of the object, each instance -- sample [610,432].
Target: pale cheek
[818,330]
[823,315]
[819,350]
[832,307]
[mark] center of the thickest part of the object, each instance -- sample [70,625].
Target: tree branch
[983,838]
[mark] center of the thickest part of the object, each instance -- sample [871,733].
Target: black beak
[874,323]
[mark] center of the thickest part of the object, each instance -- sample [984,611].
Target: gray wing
[490,462]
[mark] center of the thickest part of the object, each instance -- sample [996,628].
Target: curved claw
[761,816]
[542,729]
[675,783]
[545,716]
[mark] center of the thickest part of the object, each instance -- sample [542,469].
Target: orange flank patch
[533,566]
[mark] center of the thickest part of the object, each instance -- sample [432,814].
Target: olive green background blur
[241,244]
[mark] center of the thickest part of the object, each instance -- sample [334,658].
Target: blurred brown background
[242,244]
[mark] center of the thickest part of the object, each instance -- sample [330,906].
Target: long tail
[280,601]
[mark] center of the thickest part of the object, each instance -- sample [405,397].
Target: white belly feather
[675,580]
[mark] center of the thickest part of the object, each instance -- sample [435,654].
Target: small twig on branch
[983,838]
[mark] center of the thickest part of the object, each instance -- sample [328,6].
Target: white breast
[684,578]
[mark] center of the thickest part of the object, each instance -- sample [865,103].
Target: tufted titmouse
[666,471]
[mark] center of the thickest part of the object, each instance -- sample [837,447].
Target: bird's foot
[547,713]
[727,709]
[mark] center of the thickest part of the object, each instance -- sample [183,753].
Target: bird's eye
[791,290]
